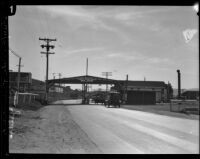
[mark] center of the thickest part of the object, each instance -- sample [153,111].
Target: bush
[74,95]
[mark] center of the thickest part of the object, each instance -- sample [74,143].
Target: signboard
[25,77]
[86,79]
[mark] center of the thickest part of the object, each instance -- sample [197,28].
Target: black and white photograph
[104,79]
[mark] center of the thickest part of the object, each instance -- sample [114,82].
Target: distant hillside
[193,89]
[175,91]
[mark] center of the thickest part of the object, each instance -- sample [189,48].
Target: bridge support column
[84,91]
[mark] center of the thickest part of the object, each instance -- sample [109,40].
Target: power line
[14,53]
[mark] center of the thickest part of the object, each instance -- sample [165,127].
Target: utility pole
[168,96]
[48,47]
[54,88]
[107,74]
[126,88]
[86,85]
[59,74]
[19,68]
[179,84]
[18,78]
[87,67]
[54,75]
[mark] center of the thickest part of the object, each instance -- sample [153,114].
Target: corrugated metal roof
[146,83]
[82,79]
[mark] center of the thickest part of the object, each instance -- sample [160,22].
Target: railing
[23,98]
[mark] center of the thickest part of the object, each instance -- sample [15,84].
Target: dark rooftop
[146,83]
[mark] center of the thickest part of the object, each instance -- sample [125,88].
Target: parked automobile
[113,99]
[99,99]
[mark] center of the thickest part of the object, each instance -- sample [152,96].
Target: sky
[148,42]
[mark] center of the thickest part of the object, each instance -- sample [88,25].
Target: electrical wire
[14,53]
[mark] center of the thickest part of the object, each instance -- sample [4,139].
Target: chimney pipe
[179,84]
[126,97]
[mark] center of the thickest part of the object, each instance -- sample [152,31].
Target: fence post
[16,99]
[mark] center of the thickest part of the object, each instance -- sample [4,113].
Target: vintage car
[113,99]
[99,98]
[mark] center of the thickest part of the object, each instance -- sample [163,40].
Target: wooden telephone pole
[48,47]
[107,74]
[59,74]
[19,69]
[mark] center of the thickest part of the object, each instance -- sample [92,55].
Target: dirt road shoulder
[50,129]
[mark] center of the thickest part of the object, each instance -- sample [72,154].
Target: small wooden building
[146,92]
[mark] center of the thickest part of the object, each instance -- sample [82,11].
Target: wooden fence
[24,98]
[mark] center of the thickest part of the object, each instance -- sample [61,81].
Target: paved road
[69,101]
[117,131]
